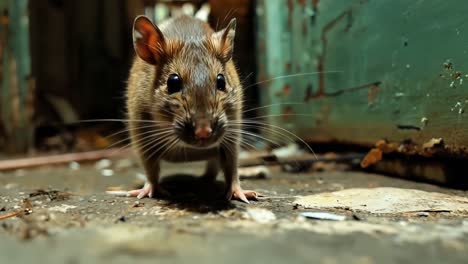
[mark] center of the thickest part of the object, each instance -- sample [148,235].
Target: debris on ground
[103,164]
[137,204]
[378,221]
[63,208]
[52,195]
[374,156]
[74,165]
[25,209]
[288,151]
[257,172]
[433,142]
[260,215]
[123,164]
[323,216]
[107,172]
[386,200]
[407,147]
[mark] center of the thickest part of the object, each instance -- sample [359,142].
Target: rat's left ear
[226,38]
[148,40]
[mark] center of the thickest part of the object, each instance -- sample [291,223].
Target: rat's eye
[174,83]
[220,83]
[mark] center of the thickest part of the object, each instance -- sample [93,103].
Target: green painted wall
[402,69]
[16,83]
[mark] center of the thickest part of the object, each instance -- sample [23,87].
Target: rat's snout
[203,129]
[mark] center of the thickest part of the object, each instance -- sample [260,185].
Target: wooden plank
[61,159]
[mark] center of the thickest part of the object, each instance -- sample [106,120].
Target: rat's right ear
[148,40]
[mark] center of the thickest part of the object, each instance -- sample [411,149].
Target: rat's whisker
[140,140]
[290,76]
[243,142]
[170,147]
[128,129]
[146,135]
[228,146]
[154,143]
[171,114]
[171,141]
[284,130]
[271,131]
[270,105]
[246,77]
[117,120]
[246,133]
[281,115]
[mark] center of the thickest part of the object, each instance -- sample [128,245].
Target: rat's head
[196,89]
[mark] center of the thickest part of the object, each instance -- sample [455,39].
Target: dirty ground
[65,216]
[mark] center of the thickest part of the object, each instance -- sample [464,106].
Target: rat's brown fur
[189,47]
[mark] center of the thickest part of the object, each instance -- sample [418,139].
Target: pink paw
[149,190]
[237,193]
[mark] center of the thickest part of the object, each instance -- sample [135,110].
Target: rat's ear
[148,40]
[226,37]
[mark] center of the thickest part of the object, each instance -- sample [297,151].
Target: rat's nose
[203,129]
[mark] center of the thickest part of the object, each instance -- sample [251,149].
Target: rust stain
[374,156]
[385,146]
[302,3]
[287,113]
[290,11]
[372,93]
[323,115]
[347,14]
[286,90]
[408,147]
[315,4]
[321,58]
[352,89]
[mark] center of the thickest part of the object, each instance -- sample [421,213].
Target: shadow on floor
[195,194]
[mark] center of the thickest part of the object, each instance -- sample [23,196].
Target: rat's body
[184,100]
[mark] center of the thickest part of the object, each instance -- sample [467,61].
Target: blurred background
[339,74]
[66,61]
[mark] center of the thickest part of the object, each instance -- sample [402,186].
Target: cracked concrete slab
[73,220]
[386,200]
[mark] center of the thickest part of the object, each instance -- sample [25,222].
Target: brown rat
[184,100]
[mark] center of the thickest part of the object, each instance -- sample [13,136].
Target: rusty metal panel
[390,70]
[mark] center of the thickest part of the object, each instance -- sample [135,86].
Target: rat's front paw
[149,190]
[236,193]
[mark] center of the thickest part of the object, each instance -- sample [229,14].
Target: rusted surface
[387,85]
[374,156]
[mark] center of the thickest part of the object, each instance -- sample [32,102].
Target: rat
[184,101]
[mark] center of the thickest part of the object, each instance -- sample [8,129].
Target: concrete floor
[75,221]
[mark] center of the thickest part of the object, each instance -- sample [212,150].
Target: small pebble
[74,165]
[323,216]
[103,164]
[423,214]
[107,172]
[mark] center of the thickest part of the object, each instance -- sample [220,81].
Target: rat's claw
[149,190]
[241,195]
